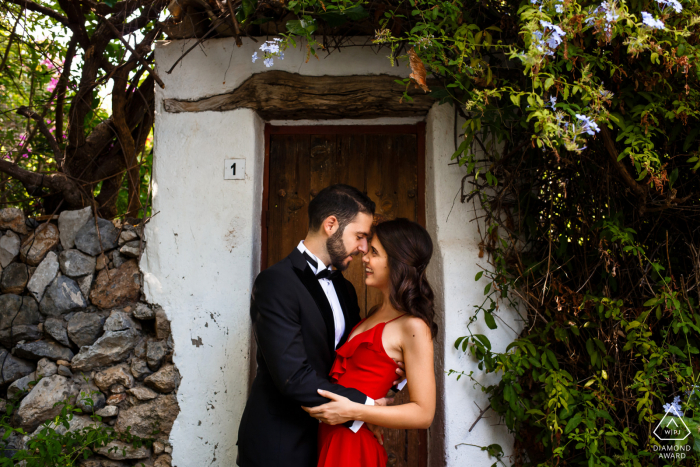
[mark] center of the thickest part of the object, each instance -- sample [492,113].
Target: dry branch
[283,95]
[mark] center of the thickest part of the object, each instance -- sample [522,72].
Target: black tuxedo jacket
[295,334]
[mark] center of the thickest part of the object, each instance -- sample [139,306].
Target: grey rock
[40,403]
[9,248]
[13,219]
[164,380]
[142,311]
[62,295]
[21,385]
[10,445]
[112,347]
[108,411]
[143,393]
[86,239]
[128,236]
[75,263]
[64,371]
[56,328]
[139,368]
[85,283]
[43,349]
[45,273]
[14,278]
[45,368]
[115,375]
[70,222]
[119,321]
[118,259]
[140,349]
[160,412]
[14,368]
[84,328]
[89,392]
[21,332]
[15,310]
[123,451]
[131,249]
[117,389]
[155,351]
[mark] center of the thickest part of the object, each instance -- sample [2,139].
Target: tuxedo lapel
[308,278]
[341,289]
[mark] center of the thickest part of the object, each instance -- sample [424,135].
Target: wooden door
[384,162]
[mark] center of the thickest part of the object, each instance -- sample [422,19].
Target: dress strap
[400,316]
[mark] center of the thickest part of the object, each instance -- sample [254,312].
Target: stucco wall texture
[204,250]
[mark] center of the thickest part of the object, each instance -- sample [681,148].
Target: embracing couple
[322,372]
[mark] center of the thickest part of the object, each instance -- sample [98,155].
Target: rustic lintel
[290,96]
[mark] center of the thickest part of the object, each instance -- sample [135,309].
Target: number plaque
[234,169]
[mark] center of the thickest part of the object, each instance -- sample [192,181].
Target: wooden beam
[281,95]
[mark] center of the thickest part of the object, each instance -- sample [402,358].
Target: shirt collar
[302,248]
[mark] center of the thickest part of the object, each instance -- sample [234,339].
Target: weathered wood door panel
[382,162]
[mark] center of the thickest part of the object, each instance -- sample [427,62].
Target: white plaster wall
[452,271]
[204,248]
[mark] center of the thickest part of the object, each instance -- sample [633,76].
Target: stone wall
[71,310]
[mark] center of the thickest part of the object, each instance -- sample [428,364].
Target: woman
[401,328]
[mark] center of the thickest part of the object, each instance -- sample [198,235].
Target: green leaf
[573,423]
[484,340]
[490,321]
[478,275]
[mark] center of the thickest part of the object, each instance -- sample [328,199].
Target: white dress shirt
[338,317]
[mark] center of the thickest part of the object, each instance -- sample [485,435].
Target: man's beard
[336,250]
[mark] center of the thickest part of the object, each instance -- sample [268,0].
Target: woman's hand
[338,411]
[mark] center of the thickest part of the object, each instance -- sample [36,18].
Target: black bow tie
[326,273]
[329,274]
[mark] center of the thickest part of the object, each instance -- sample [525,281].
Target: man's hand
[401,372]
[336,412]
[377,431]
[386,400]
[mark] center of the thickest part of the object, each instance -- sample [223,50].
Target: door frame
[417,129]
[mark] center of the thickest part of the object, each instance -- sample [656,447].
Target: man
[302,310]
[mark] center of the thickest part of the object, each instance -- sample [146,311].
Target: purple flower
[271,47]
[555,38]
[674,407]
[675,4]
[588,125]
[552,102]
[268,62]
[650,21]
[255,57]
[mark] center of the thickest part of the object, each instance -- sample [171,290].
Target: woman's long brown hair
[409,249]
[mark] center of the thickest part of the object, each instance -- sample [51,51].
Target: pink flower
[7,156]
[25,155]
[22,137]
[47,62]
[52,84]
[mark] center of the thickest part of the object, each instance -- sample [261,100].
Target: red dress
[363,364]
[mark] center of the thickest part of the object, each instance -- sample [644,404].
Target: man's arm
[278,333]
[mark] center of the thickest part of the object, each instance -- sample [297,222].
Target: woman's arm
[417,346]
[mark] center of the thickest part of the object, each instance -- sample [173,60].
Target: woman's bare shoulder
[413,326]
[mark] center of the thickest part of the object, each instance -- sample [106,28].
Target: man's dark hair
[342,201]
